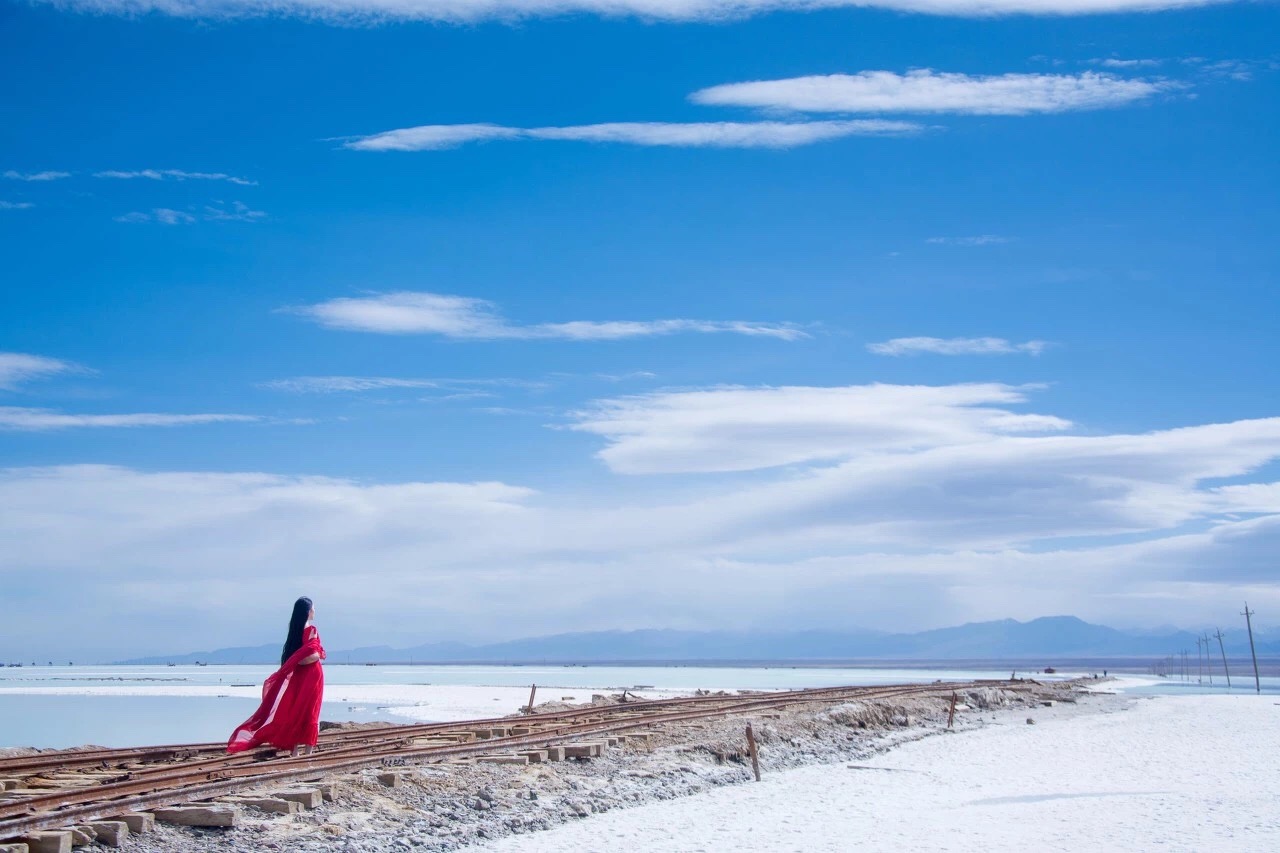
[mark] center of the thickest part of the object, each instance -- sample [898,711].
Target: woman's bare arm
[308,659]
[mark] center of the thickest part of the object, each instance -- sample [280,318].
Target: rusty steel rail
[202,779]
[108,758]
[112,758]
[379,746]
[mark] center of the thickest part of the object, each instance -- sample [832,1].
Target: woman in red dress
[289,716]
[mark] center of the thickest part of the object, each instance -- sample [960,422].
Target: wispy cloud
[174,175]
[922,91]
[956,346]
[1112,62]
[19,367]
[15,205]
[740,429]
[465,318]
[237,212]
[458,395]
[1241,70]
[358,384]
[979,240]
[41,420]
[928,91]
[345,384]
[36,176]
[162,215]
[724,134]
[624,377]
[467,11]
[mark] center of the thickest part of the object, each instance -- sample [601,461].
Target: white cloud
[432,137]
[723,134]
[467,11]
[1126,63]
[948,521]
[462,317]
[36,176]
[928,91]
[19,367]
[174,174]
[956,346]
[356,384]
[979,240]
[343,384]
[740,429]
[39,420]
[1235,69]
[162,215]
[238,212]
[15,205]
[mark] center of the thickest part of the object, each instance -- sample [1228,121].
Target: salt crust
[1191,773]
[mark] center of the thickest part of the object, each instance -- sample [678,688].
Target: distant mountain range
[1042,640]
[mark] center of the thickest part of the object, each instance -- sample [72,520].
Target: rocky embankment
[443,807]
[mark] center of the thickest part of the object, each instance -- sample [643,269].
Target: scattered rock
[446,807]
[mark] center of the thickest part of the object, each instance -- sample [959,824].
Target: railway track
[58,790]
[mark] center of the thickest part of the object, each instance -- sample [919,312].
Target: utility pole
[1248,620]
[1208,660]
[1223,649]
[1199,664]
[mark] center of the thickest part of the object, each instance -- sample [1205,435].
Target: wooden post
[951,714]
[751,747]
[1223,649]
[1248,620]
[532,690]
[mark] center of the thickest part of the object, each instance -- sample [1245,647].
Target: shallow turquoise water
[70,706]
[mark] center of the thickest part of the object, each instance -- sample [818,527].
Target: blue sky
[738,315]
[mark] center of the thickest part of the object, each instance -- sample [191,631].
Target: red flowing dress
[289,715]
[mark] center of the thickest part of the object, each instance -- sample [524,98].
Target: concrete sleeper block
[111,833]
[272,805]
[583,750]
[58,841]
[139,823]
[308,798]
[216,816]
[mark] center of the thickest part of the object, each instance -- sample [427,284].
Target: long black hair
[298,621]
